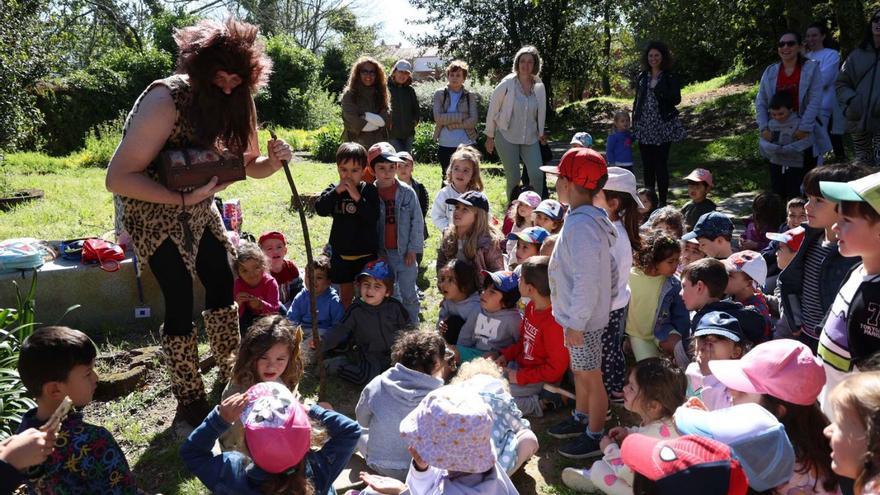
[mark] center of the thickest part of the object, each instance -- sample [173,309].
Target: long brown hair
[233,46]
[860,394]
[471,155]
[481,228]
[295,483]
[262,335]
[804,426]
[354,81]
[629,215]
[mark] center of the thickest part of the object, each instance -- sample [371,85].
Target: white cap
[751,263]
[622,180]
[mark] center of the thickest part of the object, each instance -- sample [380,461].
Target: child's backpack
[21,254]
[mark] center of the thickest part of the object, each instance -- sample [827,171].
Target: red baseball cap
[583,166]
[271,235]
[688,465]
[793,238]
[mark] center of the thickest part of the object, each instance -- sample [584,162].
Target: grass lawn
[77,204]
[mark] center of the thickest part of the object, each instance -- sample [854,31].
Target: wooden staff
[296,202]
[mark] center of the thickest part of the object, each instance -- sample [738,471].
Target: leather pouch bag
[189,168]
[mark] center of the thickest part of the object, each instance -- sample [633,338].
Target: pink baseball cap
[530,198]
[701,175]
[783,368]
[276,427]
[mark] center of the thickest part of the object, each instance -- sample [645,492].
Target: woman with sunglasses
[366,114]
[858,93]
[655,119]
[802,79]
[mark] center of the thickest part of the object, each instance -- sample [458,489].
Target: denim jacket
[233,473]
[409,219]
[671,315]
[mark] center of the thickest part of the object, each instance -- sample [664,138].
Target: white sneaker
[578,479]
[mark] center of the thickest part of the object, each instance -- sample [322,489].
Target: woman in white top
[816,44]
[515,120]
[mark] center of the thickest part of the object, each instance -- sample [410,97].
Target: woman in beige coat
[366,111]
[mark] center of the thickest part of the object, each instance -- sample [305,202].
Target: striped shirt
[811,300]
[834,345]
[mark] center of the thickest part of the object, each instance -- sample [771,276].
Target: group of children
[752,367]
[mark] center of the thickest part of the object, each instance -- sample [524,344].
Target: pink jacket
[266,291]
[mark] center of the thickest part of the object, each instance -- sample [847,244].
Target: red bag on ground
[106,254]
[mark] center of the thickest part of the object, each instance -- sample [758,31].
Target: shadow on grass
[159,469]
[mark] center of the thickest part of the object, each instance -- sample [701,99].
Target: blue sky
[393,14]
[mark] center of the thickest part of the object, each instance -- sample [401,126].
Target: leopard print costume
[149,224]
[182,360]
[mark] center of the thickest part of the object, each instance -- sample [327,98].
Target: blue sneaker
[573,426]
[583,447]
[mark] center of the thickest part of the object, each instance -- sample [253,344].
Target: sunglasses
[368,72]
[786,43]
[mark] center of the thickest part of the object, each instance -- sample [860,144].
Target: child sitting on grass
[746,274]
[699,183]
[373,323]
[461,300]
[512,436]
[330,310]
[656,318]
[654,390]
[520,216]
[269,352]
[54,363]
[283,270]
[718,336]
[354,205]
[714,232]
[256,292]
[528,243]
[278,434]
[418,369]
[854,432]
[550,215]
[766,211]
[497,324]
[539,356]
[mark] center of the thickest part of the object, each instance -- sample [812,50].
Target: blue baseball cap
[504,281]
[756,438]
[552,208]
[471,198]
[710,225]
[377,269]
[719,323]
[532,235]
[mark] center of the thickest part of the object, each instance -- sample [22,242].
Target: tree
[311,23]
[488,34]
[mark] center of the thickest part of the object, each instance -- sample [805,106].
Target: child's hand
[255,304]
[767,135]
[28,448]
[668,345]
[409,259]
[573,338]
[801,135]
[605,442]
[695,403]
[420,463]
[232,407]
[442,327]
[383,484]
[618,433]
[242,298]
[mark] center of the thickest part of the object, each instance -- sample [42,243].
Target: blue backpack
[21,254]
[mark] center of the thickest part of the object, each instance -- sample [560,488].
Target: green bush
[287,100]
[16,324]
[325,143]
[589,115]
[74,104]
[424,147]
[101,143]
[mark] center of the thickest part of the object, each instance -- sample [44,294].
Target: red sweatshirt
[266,290]
[540,351]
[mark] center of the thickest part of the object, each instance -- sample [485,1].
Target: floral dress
[652,129]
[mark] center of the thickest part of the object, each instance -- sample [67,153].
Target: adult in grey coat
[858,93]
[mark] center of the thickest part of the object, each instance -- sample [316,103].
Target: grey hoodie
[491,331]
[470,306]
[385,401]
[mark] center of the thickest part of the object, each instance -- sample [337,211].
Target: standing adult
[817,45]
[515,121]
[858,94]
[456,113]
[802,79]
[404,106]
[655,119]
[366,112]
[208,103]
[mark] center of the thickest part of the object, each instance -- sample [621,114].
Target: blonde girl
[854,431]
[471,236]
[269,351]
[255,289]
[463,175]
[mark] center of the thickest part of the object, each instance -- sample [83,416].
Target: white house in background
[427,62]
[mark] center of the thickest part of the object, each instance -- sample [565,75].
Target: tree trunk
[851,19]
[606,50]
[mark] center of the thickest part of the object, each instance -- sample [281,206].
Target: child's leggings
[613,360]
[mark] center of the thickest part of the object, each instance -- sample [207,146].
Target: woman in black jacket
[655,118]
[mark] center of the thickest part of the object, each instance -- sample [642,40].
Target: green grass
[714,83]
